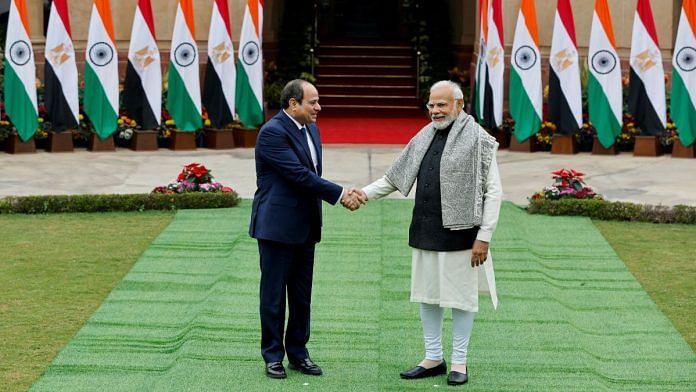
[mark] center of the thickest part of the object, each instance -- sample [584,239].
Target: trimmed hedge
[614,210]
[113,203]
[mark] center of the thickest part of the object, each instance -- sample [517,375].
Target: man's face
[443,108]
[305,112]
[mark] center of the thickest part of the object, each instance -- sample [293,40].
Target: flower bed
[568,184]
[193,178]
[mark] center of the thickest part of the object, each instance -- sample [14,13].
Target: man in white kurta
[457,202]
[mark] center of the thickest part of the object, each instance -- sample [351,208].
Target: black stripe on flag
[214,98]
[559,109]
[57,108]
[488,110]
[135,101]
[642,109]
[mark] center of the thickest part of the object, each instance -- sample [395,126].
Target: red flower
[199,171]
[226,189]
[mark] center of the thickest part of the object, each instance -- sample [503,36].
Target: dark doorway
[360,19]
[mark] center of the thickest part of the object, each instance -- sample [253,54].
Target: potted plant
[218,138]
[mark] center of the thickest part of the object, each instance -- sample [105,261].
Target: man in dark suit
[286,220]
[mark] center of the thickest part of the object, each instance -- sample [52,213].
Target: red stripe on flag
[146,11]
[483,18]
[62,9]
[646,16]
[225,13]
[498,19]
[566,15]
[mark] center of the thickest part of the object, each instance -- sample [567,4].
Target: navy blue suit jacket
[287,202]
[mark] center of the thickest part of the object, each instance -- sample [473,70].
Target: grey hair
[456,90]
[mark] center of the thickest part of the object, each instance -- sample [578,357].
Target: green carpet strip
[186,317]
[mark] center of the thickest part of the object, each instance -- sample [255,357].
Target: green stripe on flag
[682,110]
[601,115]
[97,105]
[18,105]
[248,107]
[180,105]
[527,122]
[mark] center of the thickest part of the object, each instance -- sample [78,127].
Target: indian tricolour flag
[646,90]
[565,90]
[220,74]
[60,71]
[683,102]
[249,97]
[605,100]
[526,93]
[20,73]
[495,64]
[142,95]
[184,95]
[101,71]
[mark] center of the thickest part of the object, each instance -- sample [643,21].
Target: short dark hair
[294,89]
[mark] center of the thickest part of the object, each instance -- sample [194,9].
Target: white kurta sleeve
[379,189]
[491,204]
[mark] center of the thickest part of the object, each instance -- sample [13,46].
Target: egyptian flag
[604,88]
[142,95]
[479,81]
[20,73]
[646,90]
[249,94]
[565,91]
[220,74]
[495,67]
[60,72]
[683,104]
[526,93]
[101,71]
[184,95]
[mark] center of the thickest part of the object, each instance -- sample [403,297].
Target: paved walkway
[662,180]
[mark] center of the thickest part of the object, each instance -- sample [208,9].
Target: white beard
[444,124]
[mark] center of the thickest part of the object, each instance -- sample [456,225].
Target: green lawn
[55,270]
[185,317]
[188,310]
[662,259]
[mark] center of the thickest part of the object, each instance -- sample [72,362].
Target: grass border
[116,203]
[614,210]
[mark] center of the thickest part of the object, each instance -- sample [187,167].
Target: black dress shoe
[421,372]
[306,366]
[275,370]
[456,378]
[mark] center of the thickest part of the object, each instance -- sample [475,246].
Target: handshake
[353,198]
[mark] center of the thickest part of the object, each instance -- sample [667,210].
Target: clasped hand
[353,198]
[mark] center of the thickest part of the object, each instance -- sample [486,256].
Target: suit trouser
[285,268]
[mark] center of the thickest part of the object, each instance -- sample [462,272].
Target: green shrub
[112,203]
[614,210]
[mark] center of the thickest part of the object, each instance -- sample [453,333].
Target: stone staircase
[367,79]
